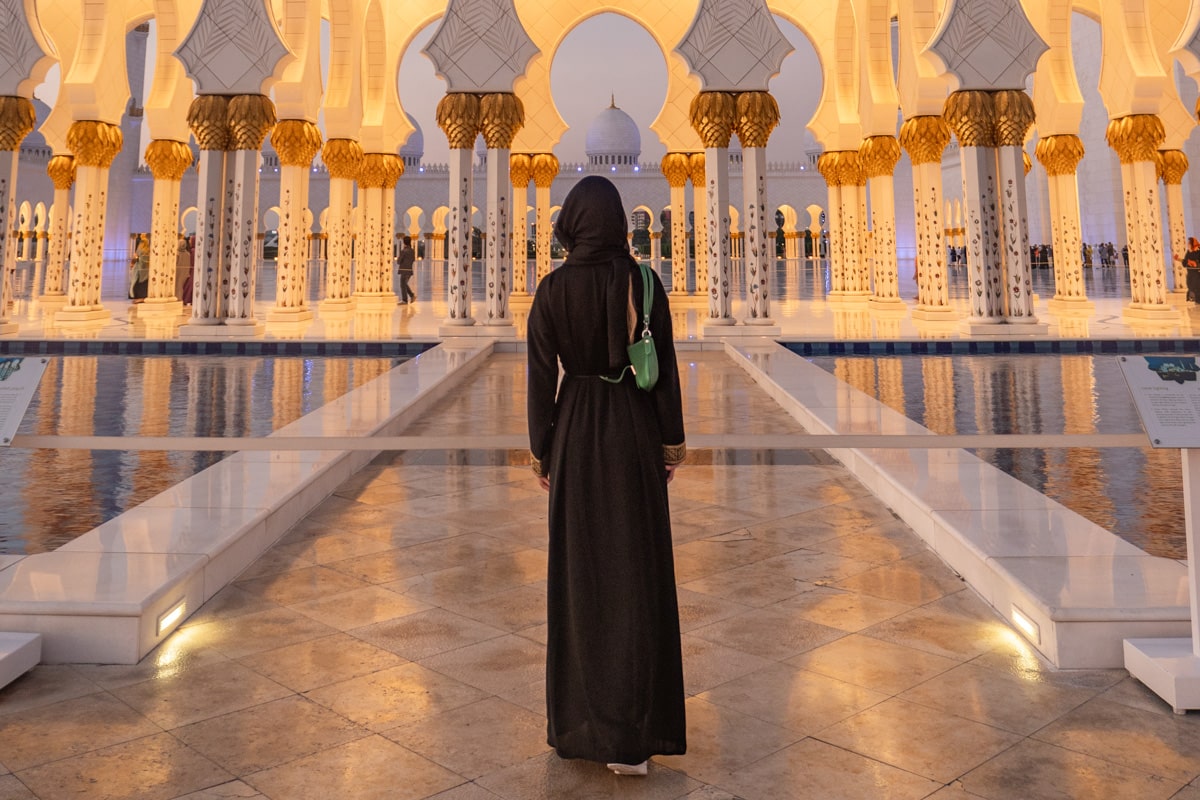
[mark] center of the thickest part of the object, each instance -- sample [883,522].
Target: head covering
[593,227]
[1193,243]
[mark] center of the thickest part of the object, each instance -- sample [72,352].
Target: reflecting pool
[48,497]
[1136,493]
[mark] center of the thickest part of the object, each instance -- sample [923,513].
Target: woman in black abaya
[606,451]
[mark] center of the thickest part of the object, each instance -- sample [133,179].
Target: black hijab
[593,227]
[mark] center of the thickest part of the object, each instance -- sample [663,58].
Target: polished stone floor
[391,646]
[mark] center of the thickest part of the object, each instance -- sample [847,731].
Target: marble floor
[391,645]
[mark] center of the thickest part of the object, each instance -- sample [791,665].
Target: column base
[887,303]
[935,314]
[70,315]
[506,331]
[289,316]
[367,300]
[7,327]
[51,303]
[1142,312]
[719,329]
[849,298]
[221,329]
[1002,327]
[1071,306]
[342,305]
[1177,298]
[452,327]
[163,307]
[1167,667]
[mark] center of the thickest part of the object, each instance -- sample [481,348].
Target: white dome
[414,148]
[613,133]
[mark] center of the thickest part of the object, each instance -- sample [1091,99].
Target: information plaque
[1167,395]
[19,379]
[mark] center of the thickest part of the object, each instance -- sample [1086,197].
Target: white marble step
[19,653]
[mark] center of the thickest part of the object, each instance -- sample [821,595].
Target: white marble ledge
[196,530]
[1102,588]
[93,584]
[238,483]
[7,561]
[863,419]
[1050,531]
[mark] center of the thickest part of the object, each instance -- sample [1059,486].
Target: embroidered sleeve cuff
[539,468]
[674,453]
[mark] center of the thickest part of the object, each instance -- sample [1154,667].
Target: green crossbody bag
[643,358]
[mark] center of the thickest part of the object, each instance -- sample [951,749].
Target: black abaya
[614,678]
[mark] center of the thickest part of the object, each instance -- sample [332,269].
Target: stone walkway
[392,646]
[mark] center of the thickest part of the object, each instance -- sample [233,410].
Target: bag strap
[647,298]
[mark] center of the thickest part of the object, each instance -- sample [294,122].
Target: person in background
[139,270]
[404,268]
[605,450]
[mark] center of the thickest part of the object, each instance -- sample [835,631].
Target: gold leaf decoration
[168,159]
[676,168]
[971,115]
[458,117]
[1059,154]
[1014,117]
[95,144]
[61,170]
[1136,137]
[696,165]
[207,117]
[17,119]
[520,169]
[251,117]
[545,169]
[713,115]
[501,116]
[296,141]
[878,156]
[1172,166]
[342,158]
[757,116]
[925,138]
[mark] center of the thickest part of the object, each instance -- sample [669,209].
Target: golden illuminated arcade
[267,531]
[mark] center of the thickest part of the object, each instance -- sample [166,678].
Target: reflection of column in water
[1029,416]
[981,382]
[859,373]
[1073,475]
[937,373]
[74,476]
[153,473]
[890,374]
[287,390]
[238,376]
[337,377]
[44,500]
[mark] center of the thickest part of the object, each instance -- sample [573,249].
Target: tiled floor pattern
[391,646]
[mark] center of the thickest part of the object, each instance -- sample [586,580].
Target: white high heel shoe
[629,769]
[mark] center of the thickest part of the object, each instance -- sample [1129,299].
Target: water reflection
[49,497]
[1136,493]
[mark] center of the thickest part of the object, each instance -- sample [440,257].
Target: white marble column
[251,118]
[296,141]
[61,170]
[1172,165]
[758,257]
[168,161]
[1014,233]
[656,258]
[829,165]
[343,158]
[1060,155]
[697,170]
[675,168]
[545,169]
[207,120]
[501,115]
[520,169]
[373,262]
[95,145]
[458,115]
[17,119]
[458,238]
[878,156]
[713,116]
[1137,139]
